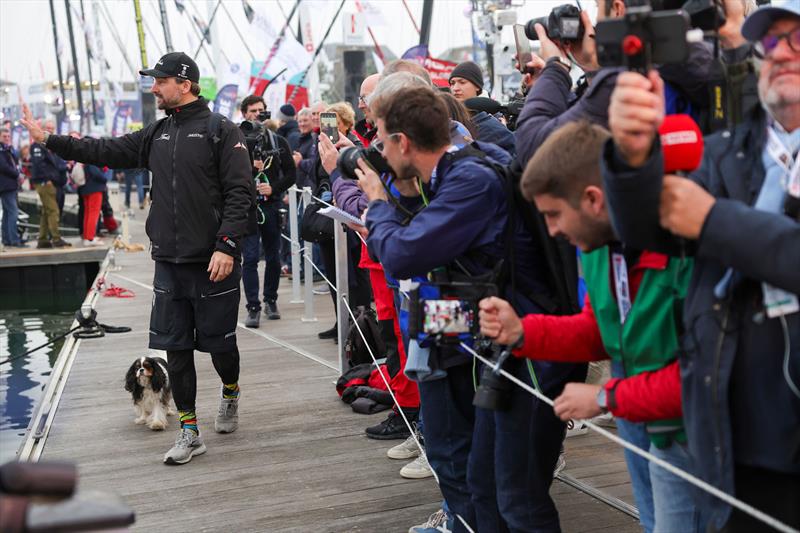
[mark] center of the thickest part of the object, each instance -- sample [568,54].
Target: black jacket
[281,171]
[737,404]
[198,205]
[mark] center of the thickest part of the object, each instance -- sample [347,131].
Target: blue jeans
[269,234]
[446,406]
[10,214]
[131,178]
[675,508]
[638,467]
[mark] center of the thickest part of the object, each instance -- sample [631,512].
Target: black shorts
[191,312]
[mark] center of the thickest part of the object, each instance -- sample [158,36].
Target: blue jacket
[550,104]
[307,146]
[737,405]
[491,130]
[47,166]
[465,220]
[291,132]
[9,172]
[95,180]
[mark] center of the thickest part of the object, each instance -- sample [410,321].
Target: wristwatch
[561,61]
[602,401]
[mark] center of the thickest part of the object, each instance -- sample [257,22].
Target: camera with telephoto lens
[494,391]
[562,25]
[253,131]
[264,115]
[348,161]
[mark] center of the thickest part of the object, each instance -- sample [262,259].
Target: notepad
[341,216]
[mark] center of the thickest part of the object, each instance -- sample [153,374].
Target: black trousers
[183,377]
[357,278]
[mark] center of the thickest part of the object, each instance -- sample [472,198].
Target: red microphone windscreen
[681,144]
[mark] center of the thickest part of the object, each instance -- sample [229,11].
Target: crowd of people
[688,284]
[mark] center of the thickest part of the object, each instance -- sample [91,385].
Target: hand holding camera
[584,52]
[635,114]
[499,321]
[369,181]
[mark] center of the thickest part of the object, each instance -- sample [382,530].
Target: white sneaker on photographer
[417,469]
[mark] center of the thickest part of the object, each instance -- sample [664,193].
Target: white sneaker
[407,449]
[574,429]
[605,420]
[93,242]
[187,445]
[417,469]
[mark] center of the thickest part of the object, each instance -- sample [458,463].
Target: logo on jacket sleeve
[241,145]
[164,137]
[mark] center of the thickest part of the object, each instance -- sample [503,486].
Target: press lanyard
[621,285]
[791,166]
[778,302]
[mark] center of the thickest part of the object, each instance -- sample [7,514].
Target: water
[23,380]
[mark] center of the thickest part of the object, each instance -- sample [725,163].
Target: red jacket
[645,397]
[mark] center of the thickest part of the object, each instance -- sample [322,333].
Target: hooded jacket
[199,205]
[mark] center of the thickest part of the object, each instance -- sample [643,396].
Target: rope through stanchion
[697,482]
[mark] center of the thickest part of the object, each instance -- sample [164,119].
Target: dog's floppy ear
[158,379]
[130,378]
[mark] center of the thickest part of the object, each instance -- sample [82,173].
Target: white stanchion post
[342,290]
[294,235]
[308,253]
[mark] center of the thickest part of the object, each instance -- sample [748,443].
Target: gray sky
[27,50]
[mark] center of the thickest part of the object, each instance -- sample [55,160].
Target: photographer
[740,366]
[567,189]
[466,81]
[274,172]
[457,231]
[550,103]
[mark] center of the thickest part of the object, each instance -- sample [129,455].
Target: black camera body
[348,161]
[642,38]
[562,25]
[254,137]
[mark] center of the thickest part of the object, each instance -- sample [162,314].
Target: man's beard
[407,172]
[775,98]
[164,104]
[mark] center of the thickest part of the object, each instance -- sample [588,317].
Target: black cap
[174,65]
[469,71]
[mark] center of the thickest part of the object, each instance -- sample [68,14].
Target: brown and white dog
[148,382]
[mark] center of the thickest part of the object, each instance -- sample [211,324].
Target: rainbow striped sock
[229,392]
[189,421]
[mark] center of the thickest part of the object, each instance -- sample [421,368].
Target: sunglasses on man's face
[765,46]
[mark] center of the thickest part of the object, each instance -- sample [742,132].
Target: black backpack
[560,257]
[355,348]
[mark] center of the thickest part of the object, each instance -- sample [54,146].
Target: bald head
[367,88]
[404,65]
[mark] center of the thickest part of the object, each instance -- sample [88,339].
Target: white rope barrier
[697,482]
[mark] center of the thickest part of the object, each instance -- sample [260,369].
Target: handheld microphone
[681,144]
[482,103]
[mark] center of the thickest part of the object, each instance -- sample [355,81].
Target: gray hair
[392,83]
[405,65]
[305,112]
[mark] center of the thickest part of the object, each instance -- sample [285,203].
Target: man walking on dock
[202,195]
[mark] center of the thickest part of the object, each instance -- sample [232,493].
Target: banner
[225,102]
[208,87]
